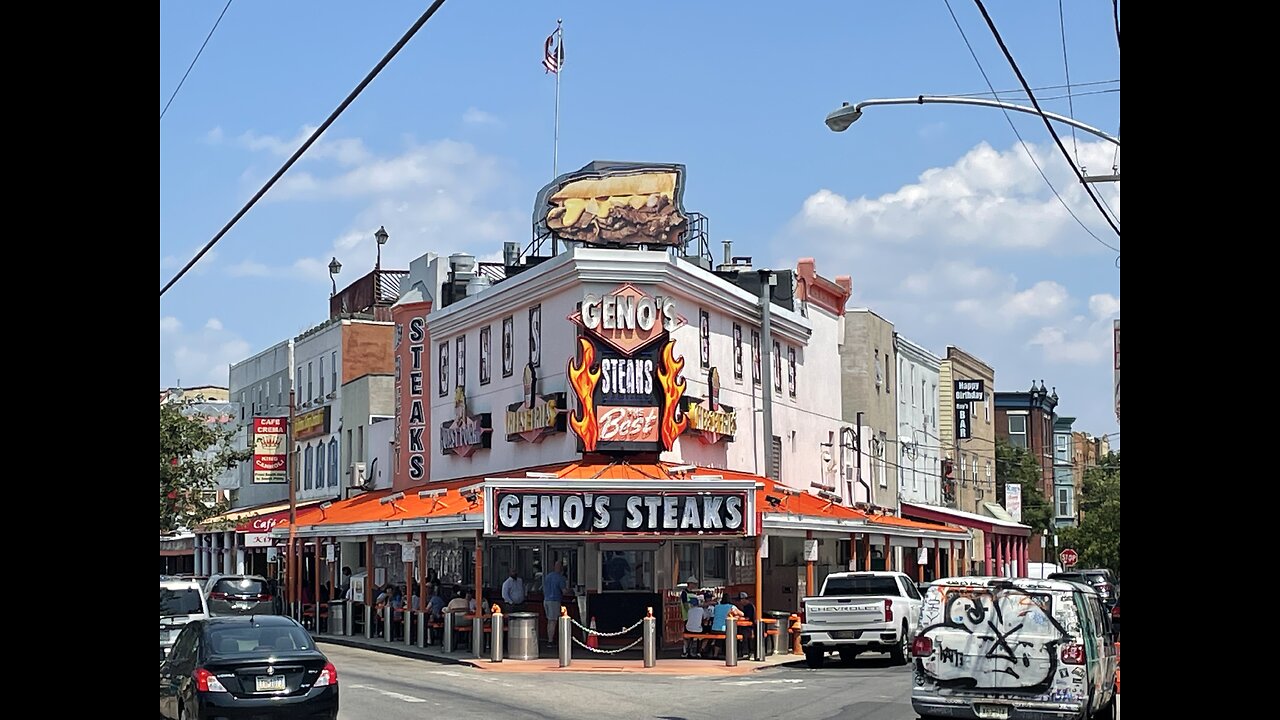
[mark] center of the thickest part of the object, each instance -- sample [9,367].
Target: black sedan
[247,666]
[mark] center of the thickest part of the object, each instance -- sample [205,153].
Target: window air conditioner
[357,475]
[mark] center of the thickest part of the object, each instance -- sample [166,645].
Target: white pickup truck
[859,611]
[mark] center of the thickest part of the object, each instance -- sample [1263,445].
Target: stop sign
[1068,557]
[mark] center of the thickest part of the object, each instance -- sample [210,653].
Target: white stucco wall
[918,444]
[309,351]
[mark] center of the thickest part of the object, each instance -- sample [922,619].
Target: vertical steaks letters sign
[626,377]
[417,413]
[620,513]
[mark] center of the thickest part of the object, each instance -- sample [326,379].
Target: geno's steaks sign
[619,513]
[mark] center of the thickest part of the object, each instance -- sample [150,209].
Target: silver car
[181,601]
[240,595]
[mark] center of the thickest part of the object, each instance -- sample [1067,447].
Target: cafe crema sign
[619,513]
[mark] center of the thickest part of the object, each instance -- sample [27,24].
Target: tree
[1016,465]
[194,451]
[1097,539]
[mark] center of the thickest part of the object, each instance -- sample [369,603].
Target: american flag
[554,58]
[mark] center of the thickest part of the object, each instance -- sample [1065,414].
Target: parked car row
[983,647]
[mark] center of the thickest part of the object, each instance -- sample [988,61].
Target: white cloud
[248,268]
[980,254]
[214,136]
[1104,306]
[198,357]
[476,116]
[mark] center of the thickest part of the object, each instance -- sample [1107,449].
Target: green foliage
[1097,539]
[1018,465]
[194,451]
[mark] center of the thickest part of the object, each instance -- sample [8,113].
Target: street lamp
[381,236]
[335,267]
[841,118]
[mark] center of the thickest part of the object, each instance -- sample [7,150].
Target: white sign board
[922,556]
[408,552]
[257,540]
[811,551]
[1013,500]
[1116,327]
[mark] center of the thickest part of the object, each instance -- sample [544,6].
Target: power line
[1017,134]
[311,140]
[1092,83]
[194,59]
[1071,109]
[1032,96]
[1115,11]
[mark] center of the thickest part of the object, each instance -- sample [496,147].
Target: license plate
[270,683]
[992,712]
[843,634]
[241,605]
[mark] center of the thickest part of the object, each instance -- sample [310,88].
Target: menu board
[672,618]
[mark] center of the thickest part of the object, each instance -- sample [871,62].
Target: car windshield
[240,586]
[861,585]
[185,601]
[245,638]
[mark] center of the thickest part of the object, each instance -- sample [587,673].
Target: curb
[393,650]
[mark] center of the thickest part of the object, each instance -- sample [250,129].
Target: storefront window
[714,566]
[688,555]
[567,556]
[627,570]
[529,563]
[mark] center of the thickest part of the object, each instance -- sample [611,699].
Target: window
[776,470]
[988,471]
[320,466]
[310,383]
[689,557]
[333,369]
[986,408]
[359,452]
[322,376]
[280,391]
[1062,448]
[714,566]
[913,386]
[888,383]
[1018,430]
[879,377]
[962,467]
[924,405]
[973,470]
[333,461]
[242,406]
[933,394]
[308,469]
[880,461]
[1064,501]
[627,570]
[297,383]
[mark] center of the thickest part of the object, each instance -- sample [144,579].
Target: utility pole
[767,281]
[291,565]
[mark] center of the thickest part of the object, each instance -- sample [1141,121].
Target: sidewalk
[583,660]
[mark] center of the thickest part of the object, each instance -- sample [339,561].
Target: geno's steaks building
[600,406]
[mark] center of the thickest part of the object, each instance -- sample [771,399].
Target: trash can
[522,636]
[781,641]
[337,618]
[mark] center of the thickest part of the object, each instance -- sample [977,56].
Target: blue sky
[937,213]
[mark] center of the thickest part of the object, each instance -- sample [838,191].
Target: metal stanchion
[495,642]
[368,621]
[731,641]
[650,636]
[761,628]
[448,631]
[409,617]
[386,622]
[477,635]
[566,637]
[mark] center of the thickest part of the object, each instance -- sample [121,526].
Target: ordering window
[708,562]
[627,570]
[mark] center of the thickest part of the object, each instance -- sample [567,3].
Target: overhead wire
[1017,134]
[1066,67]
[310,140]
[1019,91]
[1048,125]
[194,59]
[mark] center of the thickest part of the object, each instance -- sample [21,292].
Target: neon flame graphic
[583,379]
[672,390]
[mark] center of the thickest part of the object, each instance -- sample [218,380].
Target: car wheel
[814,657]
[900,652]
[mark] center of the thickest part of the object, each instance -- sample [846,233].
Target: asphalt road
[387,687]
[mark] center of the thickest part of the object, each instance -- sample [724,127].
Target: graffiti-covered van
[1010,649]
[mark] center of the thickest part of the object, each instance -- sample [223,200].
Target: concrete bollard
[495,642]
[650,639]
[731,641]
[368,621]
[448,632]
[566,638]
[386,621]
[477,635]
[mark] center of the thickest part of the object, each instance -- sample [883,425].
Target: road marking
[764,682]
[390,693]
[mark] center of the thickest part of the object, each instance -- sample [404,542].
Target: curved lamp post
[840,119]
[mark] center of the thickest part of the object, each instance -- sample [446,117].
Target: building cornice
[917,353]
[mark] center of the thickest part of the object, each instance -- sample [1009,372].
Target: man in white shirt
[513,592]
[693,625]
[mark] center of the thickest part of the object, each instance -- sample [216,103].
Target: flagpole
[555,148]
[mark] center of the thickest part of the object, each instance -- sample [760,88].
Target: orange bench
[706,636]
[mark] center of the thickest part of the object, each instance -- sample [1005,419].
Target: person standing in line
[513,592]
[553,588]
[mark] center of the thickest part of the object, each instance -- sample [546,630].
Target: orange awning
[371,512]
